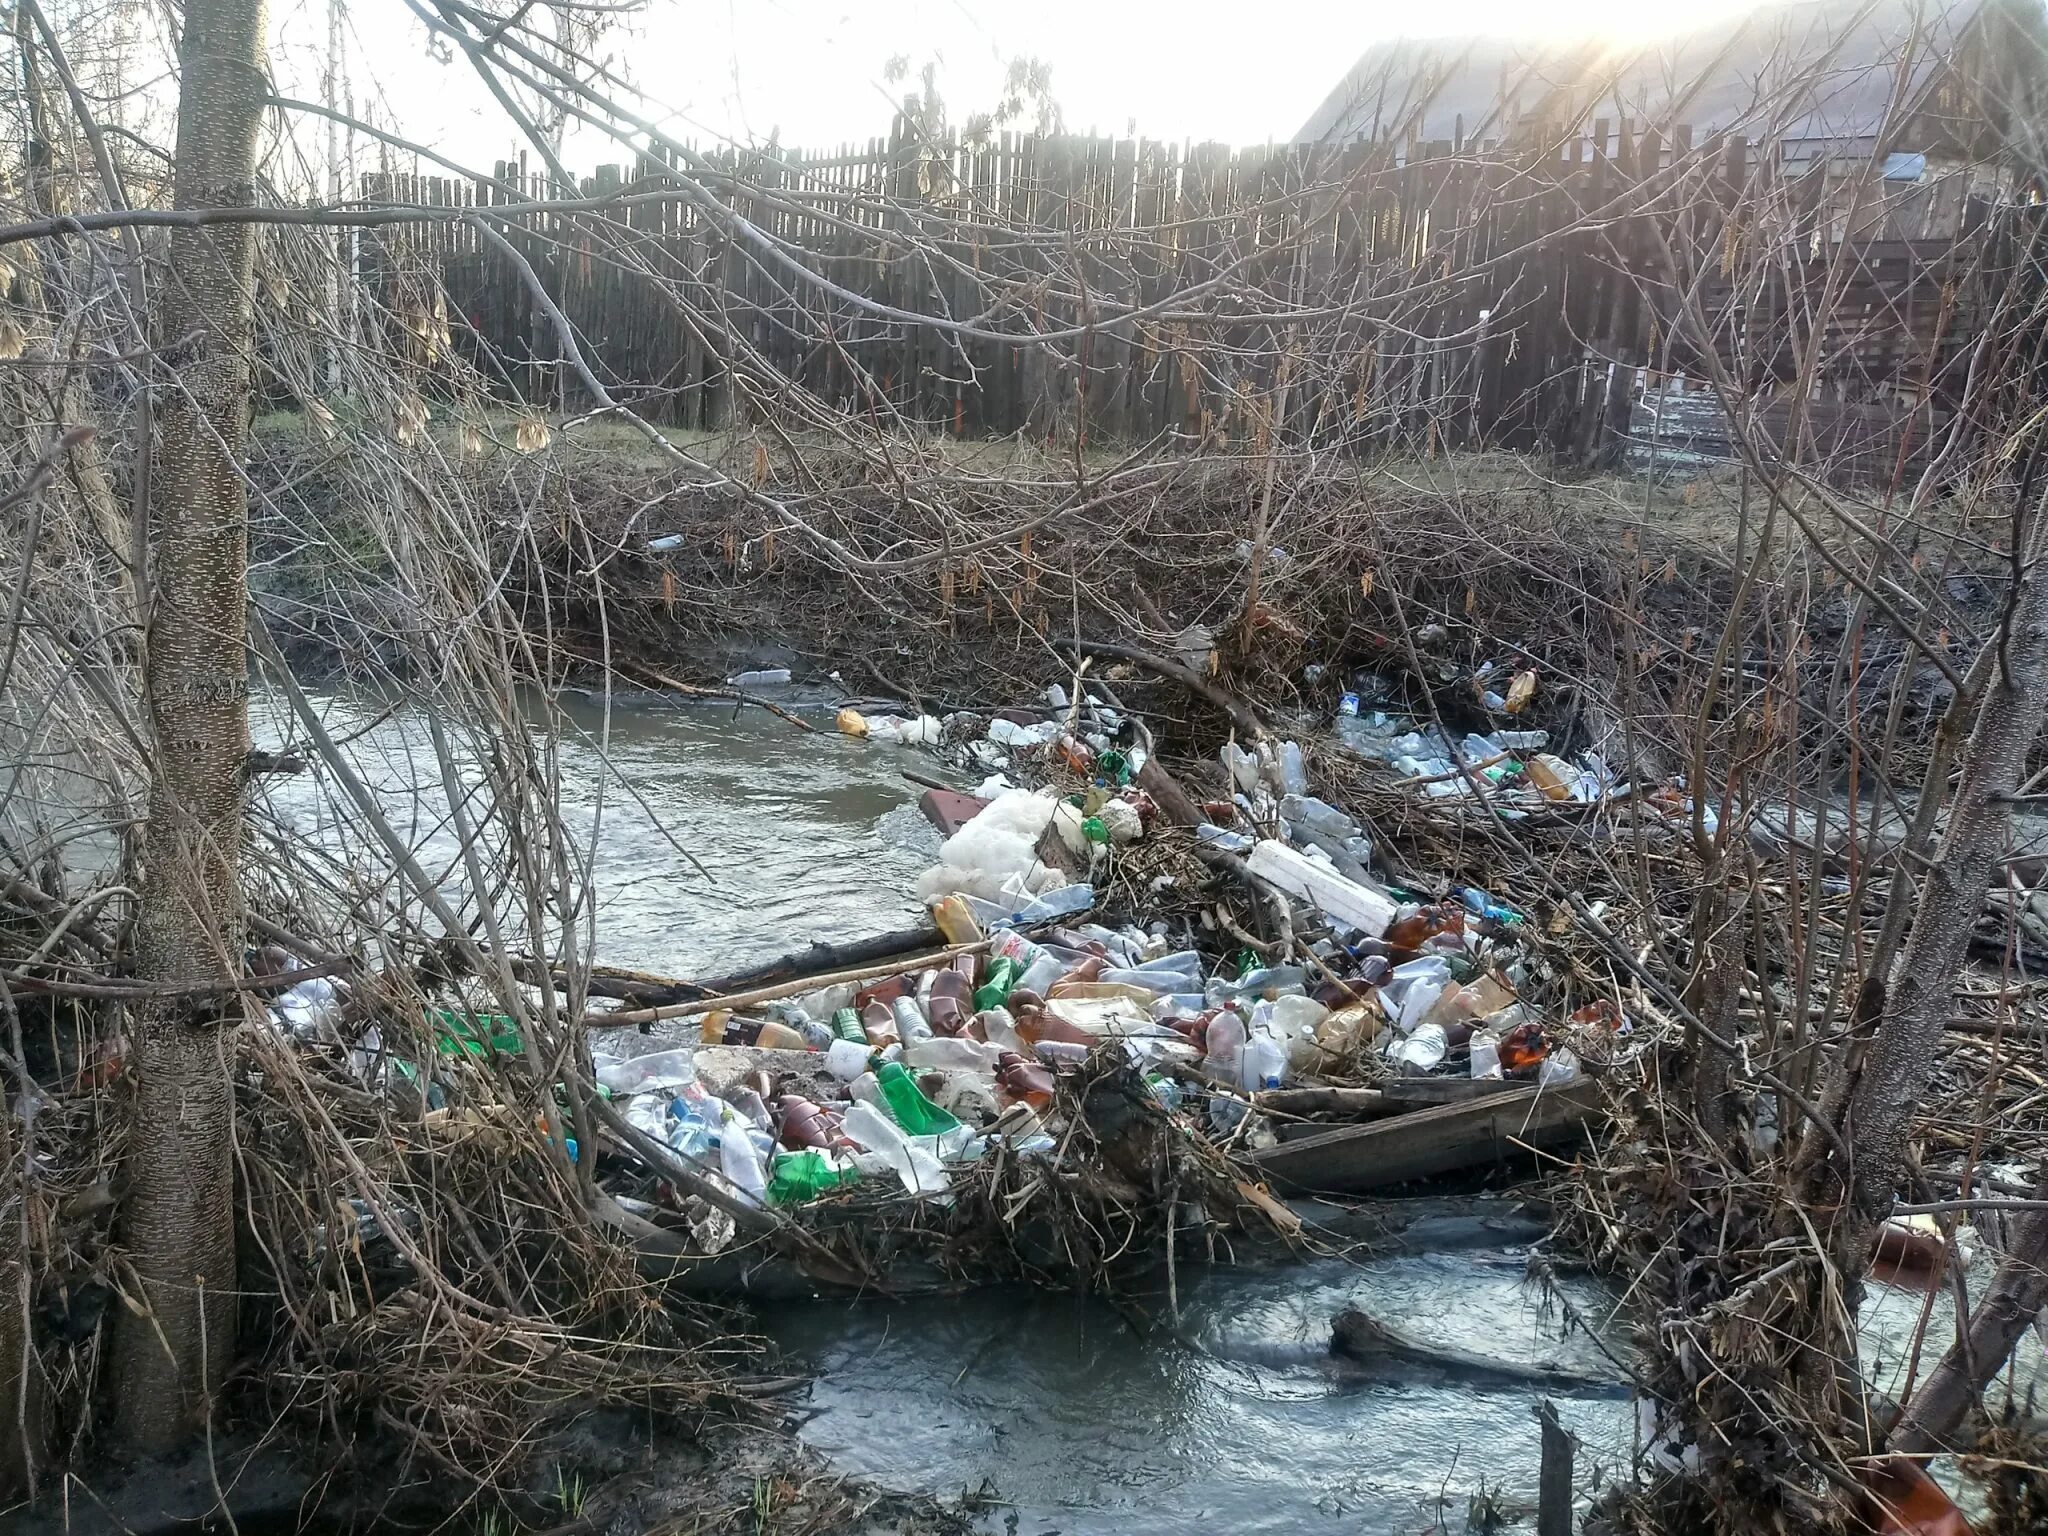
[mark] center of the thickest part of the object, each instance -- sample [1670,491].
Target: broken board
[1426,1142]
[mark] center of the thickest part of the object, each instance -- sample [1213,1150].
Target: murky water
[1057,1404]
[1083,1423]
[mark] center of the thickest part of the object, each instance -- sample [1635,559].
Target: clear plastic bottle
[1225,1039]
[998,1028]
[950,1055]
[911,1024]
[920,1172]
[1424,1049]
[738,1159]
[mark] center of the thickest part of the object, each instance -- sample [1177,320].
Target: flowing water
[1084,1418]
[723,839]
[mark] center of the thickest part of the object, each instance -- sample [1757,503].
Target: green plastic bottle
[800,1177]
[916,1114]
[846,1025]
[995,991]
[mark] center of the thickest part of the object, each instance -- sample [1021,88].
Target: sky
[813,69]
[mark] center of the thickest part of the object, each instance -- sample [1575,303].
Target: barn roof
[1813,70]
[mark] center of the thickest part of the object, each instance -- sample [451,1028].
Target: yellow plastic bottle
[955,922]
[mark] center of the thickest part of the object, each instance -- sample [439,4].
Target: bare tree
[176,1346]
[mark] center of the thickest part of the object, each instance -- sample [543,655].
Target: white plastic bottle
[920,1172]
[738,1159]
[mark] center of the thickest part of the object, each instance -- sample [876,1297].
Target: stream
[1075,1415]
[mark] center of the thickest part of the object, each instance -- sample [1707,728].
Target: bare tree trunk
[1892,1075]
[180,1218]
[2017,1293]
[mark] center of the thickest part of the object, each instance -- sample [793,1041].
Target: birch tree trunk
[180,1233]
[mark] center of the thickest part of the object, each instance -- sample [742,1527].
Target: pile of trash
[912,1070]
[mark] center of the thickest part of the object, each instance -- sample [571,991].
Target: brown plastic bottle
[1522,1047]
[803,1124]
[885,991]
[1037,1024]
[1023,1083]
[1418,928]
[949,1005]
[879,1023]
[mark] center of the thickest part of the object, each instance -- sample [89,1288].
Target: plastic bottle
[846,1026]
[1024,1082]
[1225,1041]
[866,1089]
[950,1002]
[998,1027]
[955,922]
[916,1167]
[1485,1054]
[776,1036]
[918,1115]
[1044,969]
[950,1054]
[911,1024]
[1523,1047]
[799,1177]
[1240,765]
[848,1059]
[1223,838]
[1424,1049]
[1065,901]
[737,1158]
[1040,1027]
[711,1028]
[1304,810]
[1262,1063]
[884,991]
[817,1036]
[1293,770]
[1002,979]
[968,1096]
[657,1073]
[800,1123]
[1552,776]
[879,1024]
[749,1103]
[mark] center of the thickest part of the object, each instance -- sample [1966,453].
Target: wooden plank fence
[1443,295]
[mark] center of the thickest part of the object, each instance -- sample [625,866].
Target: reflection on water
[801,836]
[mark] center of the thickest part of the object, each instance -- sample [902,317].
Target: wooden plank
[1415,1091]
[1431,1141]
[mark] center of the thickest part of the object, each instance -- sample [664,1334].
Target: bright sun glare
[813,69]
